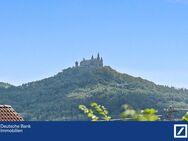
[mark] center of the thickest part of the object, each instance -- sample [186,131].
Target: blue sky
[146,38]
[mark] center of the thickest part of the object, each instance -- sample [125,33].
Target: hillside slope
[58,97]
[5,85]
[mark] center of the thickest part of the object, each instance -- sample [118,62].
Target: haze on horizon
[145,38]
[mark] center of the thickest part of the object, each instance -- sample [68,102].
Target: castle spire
[98,57]
[101,61]
[92,58]
[76,64]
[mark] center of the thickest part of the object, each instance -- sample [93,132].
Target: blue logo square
[180,131]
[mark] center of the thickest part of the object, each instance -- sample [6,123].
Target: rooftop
[7,113]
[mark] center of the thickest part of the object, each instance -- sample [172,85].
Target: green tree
[96,112]
[185,117]
[143,115]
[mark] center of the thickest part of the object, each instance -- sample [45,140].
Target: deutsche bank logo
[180,131]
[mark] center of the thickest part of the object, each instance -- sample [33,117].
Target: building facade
[91,63]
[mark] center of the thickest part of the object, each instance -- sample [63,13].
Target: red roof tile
[7,113]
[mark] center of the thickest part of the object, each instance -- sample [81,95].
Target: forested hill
[58,97]
[5,85]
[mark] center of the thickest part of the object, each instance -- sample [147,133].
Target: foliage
[144,115]
[89,112]
[5,85]
[129,114]
[96,112]
[185,117]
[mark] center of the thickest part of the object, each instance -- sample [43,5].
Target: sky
[143,38]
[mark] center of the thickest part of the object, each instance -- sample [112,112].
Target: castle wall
[93,62]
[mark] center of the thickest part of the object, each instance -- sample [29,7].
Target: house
[7,113]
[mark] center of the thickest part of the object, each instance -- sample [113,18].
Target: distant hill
[58,97]
[5,85]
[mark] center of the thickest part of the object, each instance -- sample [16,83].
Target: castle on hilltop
[93,62]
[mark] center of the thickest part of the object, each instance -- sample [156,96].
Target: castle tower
[98,57]
[76,64]
[92,58]
[101,61]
